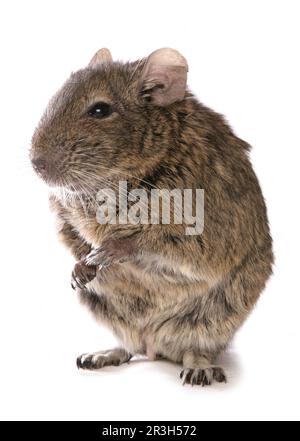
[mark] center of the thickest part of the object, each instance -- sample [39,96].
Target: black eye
[100,110]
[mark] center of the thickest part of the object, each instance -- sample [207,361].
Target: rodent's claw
[202,377]
[75,282]
[82,274]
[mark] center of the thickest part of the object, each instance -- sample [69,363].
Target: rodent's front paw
[82,274]
[110,252]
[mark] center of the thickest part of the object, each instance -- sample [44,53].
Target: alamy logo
[157,206]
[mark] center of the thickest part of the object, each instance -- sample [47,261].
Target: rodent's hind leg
[198,370]
[97,360]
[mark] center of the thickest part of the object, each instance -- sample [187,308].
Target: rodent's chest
[149,272]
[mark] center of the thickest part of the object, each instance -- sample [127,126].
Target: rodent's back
[203,152]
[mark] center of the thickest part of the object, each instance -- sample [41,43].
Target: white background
[244,63]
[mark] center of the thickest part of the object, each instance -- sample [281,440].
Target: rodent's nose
[39,165]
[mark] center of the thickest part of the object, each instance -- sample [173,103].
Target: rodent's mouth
[54,181]
[50,173]
[71,185]
[49,180]
[71,180]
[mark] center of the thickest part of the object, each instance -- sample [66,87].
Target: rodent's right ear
[164,76]
[101,56]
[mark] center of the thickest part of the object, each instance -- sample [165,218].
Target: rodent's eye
[100,110]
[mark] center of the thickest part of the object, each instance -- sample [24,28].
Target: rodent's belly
[131,282]
[137,299]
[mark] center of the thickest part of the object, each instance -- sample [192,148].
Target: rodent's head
[107,120]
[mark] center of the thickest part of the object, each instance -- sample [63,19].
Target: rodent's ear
[102,56]
[164,77]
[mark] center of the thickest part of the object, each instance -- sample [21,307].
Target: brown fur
[182,297]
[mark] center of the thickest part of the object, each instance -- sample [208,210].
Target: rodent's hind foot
[97,360]
[203,376]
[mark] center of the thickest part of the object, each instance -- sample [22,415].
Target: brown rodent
[163,293]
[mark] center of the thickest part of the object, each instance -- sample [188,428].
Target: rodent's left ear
[164,77]
[101,56]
